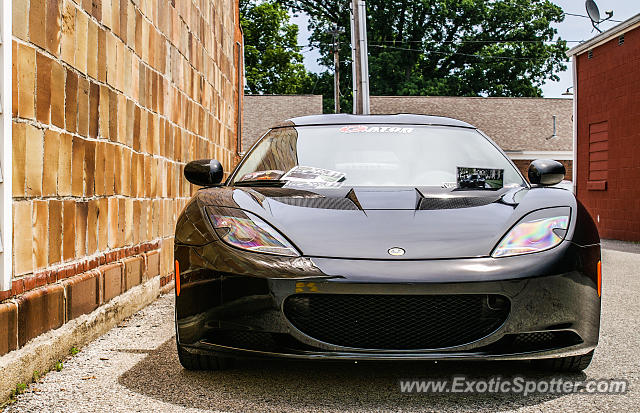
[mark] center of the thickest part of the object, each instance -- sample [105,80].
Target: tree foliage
[273,62]
[446,47]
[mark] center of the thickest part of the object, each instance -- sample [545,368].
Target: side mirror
[204,172]
[546,172]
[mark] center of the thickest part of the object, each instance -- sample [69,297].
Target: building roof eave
[605,36]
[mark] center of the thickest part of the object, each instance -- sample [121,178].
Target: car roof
[397,119]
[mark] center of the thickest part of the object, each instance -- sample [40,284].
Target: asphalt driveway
[135,368]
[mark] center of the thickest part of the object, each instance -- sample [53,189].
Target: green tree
[446,47]
[273,61]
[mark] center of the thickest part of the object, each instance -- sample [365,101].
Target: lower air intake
[396,322]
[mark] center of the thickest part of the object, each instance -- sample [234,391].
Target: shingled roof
[516,124]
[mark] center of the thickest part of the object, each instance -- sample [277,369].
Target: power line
[483,41]
[381,42]
[587,17]
[462,54]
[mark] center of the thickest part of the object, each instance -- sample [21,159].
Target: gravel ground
[134,368]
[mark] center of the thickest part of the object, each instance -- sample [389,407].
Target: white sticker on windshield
[312,174]
[312,185]
[374,129]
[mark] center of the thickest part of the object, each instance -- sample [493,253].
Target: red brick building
[607,129]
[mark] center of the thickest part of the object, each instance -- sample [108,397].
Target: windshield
[378,155]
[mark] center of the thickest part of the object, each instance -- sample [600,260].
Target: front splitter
[221,350]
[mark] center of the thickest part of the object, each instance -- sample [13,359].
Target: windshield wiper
[264,182]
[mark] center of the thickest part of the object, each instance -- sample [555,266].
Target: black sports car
[346,237]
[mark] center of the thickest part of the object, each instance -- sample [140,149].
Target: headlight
[247,231]
[535,233]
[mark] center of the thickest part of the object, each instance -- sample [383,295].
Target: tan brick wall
[263,111]
[513,123]
[111,98]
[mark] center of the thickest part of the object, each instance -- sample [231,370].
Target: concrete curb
[44,351]
[167,288]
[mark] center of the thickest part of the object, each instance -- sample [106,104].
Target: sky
[573,28]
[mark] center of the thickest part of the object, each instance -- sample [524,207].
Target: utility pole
[336,32]
[359,54]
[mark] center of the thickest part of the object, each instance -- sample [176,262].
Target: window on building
[598,156]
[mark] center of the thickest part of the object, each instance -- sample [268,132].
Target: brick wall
[110,99]
[264,111]
[608,92]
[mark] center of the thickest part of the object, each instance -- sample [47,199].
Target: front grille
[396,322]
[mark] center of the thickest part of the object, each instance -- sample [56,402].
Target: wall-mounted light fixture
[568,92]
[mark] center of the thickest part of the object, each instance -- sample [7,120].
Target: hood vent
[285,193]
[321,203]
[427,204]
[354,200]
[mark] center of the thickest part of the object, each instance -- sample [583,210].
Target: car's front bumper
[233,305]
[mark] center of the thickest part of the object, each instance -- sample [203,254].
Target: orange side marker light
[599,278]
[178,279]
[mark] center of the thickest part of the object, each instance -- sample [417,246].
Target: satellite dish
[594,14]
[592,11]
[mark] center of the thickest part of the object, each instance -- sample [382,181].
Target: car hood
[366,222]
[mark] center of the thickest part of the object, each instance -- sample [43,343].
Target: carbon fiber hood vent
[351,202]
[457,202]
[321,203]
